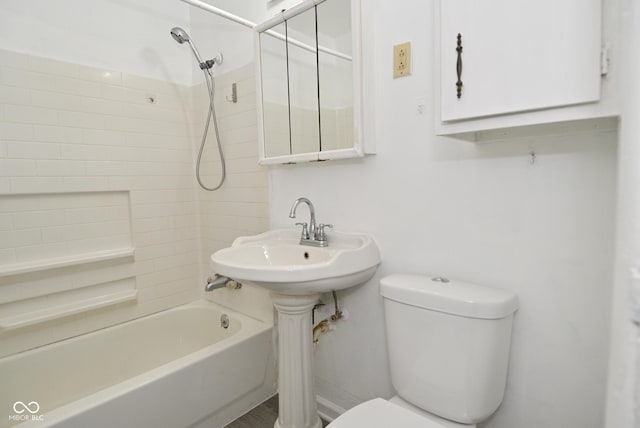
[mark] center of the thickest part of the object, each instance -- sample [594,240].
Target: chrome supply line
[244,22]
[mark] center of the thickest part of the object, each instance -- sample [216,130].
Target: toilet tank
[448,344]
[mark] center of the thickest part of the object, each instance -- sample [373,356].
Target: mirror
[303,83]
[308,104]
[335,75]
[275,92]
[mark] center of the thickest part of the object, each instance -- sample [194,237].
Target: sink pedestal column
[297,400]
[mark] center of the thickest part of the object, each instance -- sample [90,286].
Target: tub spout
[219,281]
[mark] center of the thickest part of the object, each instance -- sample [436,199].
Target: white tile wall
[46,226]
[67,128]
[241,206]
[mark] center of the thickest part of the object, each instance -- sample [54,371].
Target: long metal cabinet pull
[459,65]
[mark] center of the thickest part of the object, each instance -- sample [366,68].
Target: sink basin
[275,260]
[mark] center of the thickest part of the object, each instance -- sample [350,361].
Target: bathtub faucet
[219,281]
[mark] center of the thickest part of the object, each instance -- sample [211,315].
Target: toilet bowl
[443,338]
[379,413]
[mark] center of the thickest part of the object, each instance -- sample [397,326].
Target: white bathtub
[177,368]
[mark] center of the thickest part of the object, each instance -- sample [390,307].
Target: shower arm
[224,14]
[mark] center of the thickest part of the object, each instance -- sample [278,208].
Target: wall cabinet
[504,62]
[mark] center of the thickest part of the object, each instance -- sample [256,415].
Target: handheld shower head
[181,36]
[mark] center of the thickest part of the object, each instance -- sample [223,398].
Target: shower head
[181,36]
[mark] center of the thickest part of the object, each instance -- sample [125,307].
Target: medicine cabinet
[308,83]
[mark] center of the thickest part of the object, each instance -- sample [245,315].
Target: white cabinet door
[518,55]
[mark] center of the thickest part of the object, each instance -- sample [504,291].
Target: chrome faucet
[312,222]
[313,235]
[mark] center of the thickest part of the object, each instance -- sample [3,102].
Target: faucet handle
[321,236]
[305,231]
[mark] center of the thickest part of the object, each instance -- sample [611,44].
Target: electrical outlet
[402,60]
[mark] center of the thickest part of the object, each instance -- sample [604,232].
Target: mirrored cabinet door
[303,83]
[335,75]
[275,92]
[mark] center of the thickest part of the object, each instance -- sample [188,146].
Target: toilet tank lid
[453,297]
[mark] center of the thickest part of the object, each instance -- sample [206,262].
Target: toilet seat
[379,413]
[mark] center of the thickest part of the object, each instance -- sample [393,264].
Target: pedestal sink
[296,275]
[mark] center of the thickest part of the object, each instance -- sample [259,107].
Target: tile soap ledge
[61,262]
[41,316]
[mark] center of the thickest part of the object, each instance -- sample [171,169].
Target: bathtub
[177,368]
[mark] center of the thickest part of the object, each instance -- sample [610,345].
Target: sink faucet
[315,234]
[312,221]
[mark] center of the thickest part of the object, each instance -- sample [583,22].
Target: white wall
[480,213]
[123,35]
[216,34]
[623,404]
[213,34]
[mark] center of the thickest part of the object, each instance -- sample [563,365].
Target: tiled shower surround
[101,219]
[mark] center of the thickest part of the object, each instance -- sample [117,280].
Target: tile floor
[263,416]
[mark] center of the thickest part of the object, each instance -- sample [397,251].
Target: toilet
[448,345]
